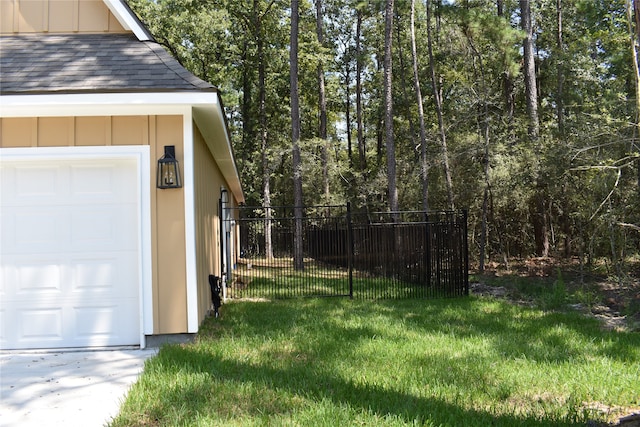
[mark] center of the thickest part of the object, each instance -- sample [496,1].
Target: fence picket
[348,254]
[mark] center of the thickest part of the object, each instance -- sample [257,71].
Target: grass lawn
[335,362]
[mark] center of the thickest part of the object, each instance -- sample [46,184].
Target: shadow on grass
[297,373]
[306,383]
[543,336]
[513,331]
[290,378]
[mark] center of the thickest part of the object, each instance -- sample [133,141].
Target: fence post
[466,252]
[427,250]
[221,246]
[350,251]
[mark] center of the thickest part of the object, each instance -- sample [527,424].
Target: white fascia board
[124,15]
[111,104]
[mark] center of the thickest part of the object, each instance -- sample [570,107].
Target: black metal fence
[372,256]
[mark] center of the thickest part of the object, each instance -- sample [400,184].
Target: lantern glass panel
[168,175]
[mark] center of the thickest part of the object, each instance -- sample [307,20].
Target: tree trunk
[483,130]
[531,91]
[538,203]
[298,260]
[403,85]
[438,103]
[507,82]
[424,165]
[634,31]
[322,106]
[560,70]
[388,108]
[362,149]
[636,8]
[262,118]
[347,111]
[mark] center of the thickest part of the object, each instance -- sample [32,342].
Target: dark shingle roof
[80,63]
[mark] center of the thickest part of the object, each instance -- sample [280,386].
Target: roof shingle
[77,63]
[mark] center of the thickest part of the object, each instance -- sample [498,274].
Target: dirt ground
[616,303]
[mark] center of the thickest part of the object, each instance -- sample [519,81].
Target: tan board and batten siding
[208,182]
[168,210]
[60,16]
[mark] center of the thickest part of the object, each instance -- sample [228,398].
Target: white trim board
[110,104]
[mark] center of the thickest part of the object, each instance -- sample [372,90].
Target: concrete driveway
[75,388]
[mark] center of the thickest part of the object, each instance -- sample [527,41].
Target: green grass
[336,362]
[277,278]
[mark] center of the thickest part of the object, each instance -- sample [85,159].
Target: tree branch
[632,226]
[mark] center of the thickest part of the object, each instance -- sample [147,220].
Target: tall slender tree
[530,83]
[298,259]
[559,69]
[322,103]
[633,18]
[438,103]
[388,108]
[538,203]
[362,147]
[424,165]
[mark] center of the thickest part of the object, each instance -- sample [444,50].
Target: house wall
[167,206]
[56,16]
[208,183]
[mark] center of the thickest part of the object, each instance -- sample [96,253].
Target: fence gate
[345,254]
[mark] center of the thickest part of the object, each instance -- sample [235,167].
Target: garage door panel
[42,277]
[24,277]
[40,324]
[29,229]
[111,273]
[103,182]
[104,324]
[33,183]
[70,267]
[3,334]
[70,324]
[104,227]
[38,228]
[38,277]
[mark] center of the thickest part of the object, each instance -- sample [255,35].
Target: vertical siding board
[92,131]
[19,132]
[45,16]
[93,16]
[29,16]
[208,181]
[57,16]
[60,16]
[171,238]
[75,24]
[55,131]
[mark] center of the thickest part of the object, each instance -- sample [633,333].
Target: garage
[70,251]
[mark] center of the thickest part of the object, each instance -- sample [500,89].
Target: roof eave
[205,106]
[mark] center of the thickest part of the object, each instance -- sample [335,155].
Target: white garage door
[69,255]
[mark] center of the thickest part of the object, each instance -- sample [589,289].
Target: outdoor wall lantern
[169,169]
[224,196]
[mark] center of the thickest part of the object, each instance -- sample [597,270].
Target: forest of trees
[524,113]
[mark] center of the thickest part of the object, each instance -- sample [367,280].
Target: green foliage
[585,168]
